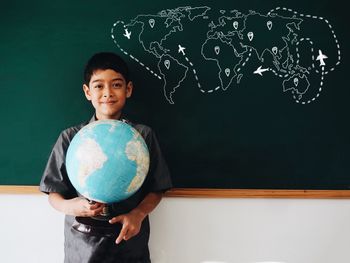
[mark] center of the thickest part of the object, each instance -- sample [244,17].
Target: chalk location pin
[227,72]
[296,82]
[151,22]
[274,50]
[167,64]
[269,24]
[217,50]
[250,36]
[235,24]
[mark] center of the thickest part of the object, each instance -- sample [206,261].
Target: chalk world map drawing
[299,49]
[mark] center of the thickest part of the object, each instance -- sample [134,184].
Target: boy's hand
[131,224]
[80,206]
[132,221]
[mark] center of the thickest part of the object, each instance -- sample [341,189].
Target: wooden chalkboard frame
[217,193]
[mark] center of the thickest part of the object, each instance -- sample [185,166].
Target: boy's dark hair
[105,60]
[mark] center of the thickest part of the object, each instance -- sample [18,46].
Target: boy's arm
[132,221]
[78,206]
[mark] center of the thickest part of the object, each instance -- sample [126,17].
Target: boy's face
[108,92]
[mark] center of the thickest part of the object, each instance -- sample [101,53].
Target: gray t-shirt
[55,179]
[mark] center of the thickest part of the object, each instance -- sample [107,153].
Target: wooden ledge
[258,193]
[19,189]
[216,193]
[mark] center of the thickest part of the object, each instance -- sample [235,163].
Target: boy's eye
[116,85]
[98,86]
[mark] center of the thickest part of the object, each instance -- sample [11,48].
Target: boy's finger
[96,206]
[116,220]
[121,236]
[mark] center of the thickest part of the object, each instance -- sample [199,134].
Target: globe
[107,161]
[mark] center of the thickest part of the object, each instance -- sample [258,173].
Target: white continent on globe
[133,148]
[91,158]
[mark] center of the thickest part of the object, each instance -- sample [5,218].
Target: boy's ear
[129,88]
[87,92]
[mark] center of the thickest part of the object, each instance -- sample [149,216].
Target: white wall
[30,230]
[186,230]
[251,230]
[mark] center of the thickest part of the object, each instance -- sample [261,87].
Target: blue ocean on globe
[107,161]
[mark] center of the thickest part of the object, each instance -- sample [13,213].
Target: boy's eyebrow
[97,80]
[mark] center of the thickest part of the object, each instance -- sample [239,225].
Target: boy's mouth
[108,102]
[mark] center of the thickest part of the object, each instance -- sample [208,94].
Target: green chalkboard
[242,94]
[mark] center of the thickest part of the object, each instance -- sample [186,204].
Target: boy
[124,238]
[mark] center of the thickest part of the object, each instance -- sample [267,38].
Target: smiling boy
[125,237]
[108,91]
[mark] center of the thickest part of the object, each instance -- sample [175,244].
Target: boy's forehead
[106,74]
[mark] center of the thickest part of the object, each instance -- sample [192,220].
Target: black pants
[88,243]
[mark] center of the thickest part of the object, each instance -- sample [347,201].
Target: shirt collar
[93,118]
[122,118]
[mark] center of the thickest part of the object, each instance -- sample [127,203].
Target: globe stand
[105,215]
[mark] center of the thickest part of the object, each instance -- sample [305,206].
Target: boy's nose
[107,92]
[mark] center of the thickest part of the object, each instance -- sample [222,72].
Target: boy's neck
[116,117]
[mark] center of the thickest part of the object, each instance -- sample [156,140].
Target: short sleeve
[159,179]
[55,178]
